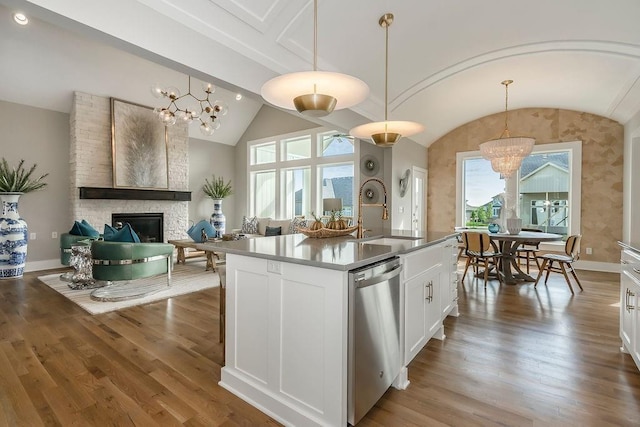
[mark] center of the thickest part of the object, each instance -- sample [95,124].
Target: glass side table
[81,261]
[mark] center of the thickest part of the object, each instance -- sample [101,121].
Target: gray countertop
[337,253]
[632,246]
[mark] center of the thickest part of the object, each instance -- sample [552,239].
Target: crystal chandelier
[188,107]
[315,93]
[386,133]
[506,153]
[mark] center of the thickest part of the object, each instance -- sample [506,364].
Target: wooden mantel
[133,194]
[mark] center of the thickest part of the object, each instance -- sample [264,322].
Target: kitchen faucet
[385,211]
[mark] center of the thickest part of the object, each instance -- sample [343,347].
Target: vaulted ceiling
[447,57]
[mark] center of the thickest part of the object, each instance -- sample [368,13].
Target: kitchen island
[287,316]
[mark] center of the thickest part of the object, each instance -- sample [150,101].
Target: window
[290,175]
[263,153]
[547,188]
[263,186]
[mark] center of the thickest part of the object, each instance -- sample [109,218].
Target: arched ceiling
[447,58]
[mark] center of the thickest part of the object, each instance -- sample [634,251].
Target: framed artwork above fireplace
[139,147]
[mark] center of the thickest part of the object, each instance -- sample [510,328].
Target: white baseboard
[47,264]
[607,267]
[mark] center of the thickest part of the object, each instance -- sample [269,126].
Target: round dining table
[508,245]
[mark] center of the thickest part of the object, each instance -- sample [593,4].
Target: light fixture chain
[506,107]
[386,69]
[315,35]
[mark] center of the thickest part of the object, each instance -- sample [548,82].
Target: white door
[418,199]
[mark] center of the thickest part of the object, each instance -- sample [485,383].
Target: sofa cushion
[125,234]
[83,228]
[195,231]
[296,223]
[262,225]
[249,225]
[282,223]
[273,231]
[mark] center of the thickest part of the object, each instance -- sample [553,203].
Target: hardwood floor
[515,356]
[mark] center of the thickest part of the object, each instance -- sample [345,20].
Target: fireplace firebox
[148,226]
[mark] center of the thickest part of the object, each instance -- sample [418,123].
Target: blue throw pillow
[83,228]
[195,231]
[125,234]
[273,231]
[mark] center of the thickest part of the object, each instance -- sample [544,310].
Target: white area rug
[185,279]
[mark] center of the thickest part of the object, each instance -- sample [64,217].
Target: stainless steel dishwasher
[374,334]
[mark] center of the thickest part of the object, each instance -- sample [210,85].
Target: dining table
[508,245]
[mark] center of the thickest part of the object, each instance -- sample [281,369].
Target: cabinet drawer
[422,260]
[631,264]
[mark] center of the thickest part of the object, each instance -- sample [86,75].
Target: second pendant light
[386,133]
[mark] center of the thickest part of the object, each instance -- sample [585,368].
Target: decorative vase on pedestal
[13,237]
[218,219]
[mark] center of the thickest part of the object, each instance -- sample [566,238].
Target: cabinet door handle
[429,287]
[626,302]
[636,270]
[622,261]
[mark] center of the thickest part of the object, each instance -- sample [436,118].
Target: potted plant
[217,189]
[14,182]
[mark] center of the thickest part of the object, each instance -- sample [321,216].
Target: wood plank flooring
[515,357]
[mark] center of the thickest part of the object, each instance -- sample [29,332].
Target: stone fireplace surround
[90,165]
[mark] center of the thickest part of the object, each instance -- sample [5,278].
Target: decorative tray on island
[327,232]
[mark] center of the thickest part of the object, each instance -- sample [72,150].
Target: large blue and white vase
[218,219]
[13,237]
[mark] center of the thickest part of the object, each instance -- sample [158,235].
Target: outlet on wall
[589,251]
[54,234]
[32,236]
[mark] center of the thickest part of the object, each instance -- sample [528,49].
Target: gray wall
[42,137]
[268,122]
[406,154]
[206,159]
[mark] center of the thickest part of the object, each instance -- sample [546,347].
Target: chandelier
[386,133]
[506,153]
[315,93]
[188,107]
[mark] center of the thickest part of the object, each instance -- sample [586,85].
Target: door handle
[626,302]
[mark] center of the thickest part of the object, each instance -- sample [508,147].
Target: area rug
[185,278]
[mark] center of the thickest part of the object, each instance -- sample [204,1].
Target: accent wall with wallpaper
[602,169]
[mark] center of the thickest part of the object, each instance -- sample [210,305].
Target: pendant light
[506,153]
[315,93]
[386,133]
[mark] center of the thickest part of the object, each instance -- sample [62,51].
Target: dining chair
[528,251]
[480,252]
[571,254]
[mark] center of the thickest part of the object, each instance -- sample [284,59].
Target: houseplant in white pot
[217,189]
[15,182]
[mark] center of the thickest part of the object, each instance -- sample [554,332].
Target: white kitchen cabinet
[629,304]
[423,292]
[422,311]
[449,279]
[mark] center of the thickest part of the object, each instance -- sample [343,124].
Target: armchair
[124,261]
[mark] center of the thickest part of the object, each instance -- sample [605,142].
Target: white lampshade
[386,133]
[334,204]
[347,90]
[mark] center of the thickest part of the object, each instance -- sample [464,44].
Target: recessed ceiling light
[238,96]
[20,18]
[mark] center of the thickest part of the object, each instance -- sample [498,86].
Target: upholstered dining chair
[571,254]
[480,252]
[127,261]
[528,251]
